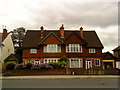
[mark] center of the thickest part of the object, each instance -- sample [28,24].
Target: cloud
[31,14]
[87,14]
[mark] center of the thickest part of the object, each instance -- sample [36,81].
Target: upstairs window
[74,48]
[97,62]
[52,48]
[33,51]
[91,50]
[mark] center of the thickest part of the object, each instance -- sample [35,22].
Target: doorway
[88,64]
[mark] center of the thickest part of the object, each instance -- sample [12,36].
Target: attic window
[91,50]
[33,51]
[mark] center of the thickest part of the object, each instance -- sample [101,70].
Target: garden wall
[93,71]
[62,72]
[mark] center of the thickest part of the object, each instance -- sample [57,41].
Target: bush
[10,66]
[64,58]
[20,67]
[55,65]
[63,63]
[29,65]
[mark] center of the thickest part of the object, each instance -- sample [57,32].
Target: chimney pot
[81,32]
[41,27]
[4,34]
[62,31]
[41,31]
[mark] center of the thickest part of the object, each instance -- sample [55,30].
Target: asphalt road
[61,83]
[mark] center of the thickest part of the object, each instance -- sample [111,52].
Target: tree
[17,36]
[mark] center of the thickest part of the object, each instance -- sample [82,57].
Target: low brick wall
[34,72]
[69,71]
[93,71]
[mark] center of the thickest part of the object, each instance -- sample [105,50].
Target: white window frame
[80,60]
[57,48]
[48,60]
[92,50]
[36,61]
[33,51]
[95,62]
[76,48]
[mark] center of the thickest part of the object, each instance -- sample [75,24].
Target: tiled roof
[32,37]
[117,48]
[108,56]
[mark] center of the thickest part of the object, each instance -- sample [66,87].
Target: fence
[93,71]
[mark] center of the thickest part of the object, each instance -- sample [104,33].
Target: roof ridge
[64,30]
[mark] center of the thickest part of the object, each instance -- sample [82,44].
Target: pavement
[37,77]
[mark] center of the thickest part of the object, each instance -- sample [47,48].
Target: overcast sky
[93,15]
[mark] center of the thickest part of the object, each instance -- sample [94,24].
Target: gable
[51,38]
[11,58]
[74,39]
[108,56]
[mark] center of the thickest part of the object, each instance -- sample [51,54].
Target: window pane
[73,48]
[33,51]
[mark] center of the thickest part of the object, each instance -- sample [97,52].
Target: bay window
[75,63]
[52,48]
[74,48]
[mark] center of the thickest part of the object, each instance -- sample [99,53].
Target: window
[75,63]
[33,51]
[74,48]
[97,62]
[36,61]
[52,48]
[91,50]
[50,60]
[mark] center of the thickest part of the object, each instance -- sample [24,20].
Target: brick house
[116,53]
[83,48]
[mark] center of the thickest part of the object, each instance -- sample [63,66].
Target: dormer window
[91,50]
[74,48]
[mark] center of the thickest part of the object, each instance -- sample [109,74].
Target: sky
[98,15]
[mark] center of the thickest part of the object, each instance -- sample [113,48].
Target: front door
[88,64]
[37,62]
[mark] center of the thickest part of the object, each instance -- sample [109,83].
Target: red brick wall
[51,40]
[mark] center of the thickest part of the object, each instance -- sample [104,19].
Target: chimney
[4,34]
[41,31]
[81,32]
[62,31]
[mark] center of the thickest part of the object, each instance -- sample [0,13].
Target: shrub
[10,66]
[63,63]
[29,65]
[20,67]
[64,58]
[55,65]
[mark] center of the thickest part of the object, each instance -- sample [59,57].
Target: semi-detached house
[83,48]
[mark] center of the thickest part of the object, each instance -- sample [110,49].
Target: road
[61,83]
